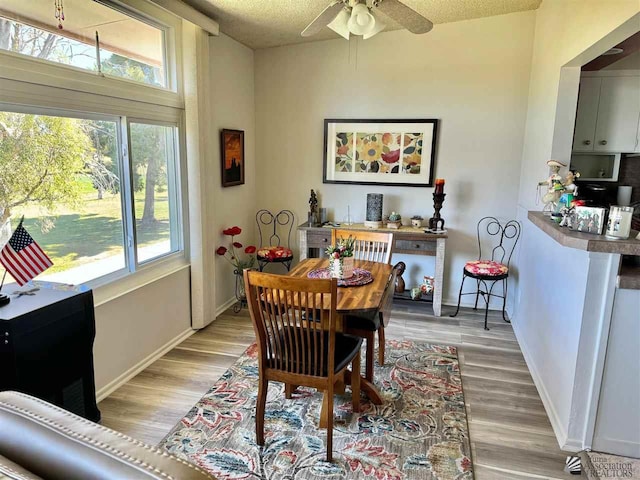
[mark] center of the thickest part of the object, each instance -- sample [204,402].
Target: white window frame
[174,186]
[22,68]
[132,266]
[31,85]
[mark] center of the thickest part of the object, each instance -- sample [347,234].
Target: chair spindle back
[295,322]
[370,246]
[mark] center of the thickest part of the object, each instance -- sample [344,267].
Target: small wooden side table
[408,240]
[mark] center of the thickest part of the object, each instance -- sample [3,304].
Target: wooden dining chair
[374,247]
[371,246]
[296,351]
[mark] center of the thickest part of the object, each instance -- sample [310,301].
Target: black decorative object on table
[46,347]
[436,223]
[373,217]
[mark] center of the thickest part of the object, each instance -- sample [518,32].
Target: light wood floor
[511,437]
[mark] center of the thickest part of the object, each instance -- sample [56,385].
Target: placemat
[360,277]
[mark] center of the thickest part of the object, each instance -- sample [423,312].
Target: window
[91,208]
[154,158]
[129,47]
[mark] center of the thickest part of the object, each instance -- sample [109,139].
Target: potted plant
[395,220]
[341,258]
[416,221]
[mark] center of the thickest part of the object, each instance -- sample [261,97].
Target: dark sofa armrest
[55,444]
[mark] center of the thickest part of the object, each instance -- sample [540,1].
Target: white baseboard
[110,387]
[556,424]
[617,447]
[225,306]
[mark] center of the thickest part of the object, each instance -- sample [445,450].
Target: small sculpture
[555,187]
[313,202]
[567,216]
[400,285]
[313,209]
[569,182]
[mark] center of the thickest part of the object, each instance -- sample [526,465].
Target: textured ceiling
[271,23]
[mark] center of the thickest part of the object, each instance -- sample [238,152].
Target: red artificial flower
[250,249]
[237,244]
[232,231]
[221,250]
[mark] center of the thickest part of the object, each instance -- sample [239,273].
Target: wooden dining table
[363,299]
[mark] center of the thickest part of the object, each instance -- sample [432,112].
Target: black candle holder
[437,222]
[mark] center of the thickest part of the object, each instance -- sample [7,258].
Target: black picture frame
[232,157]
[421,179]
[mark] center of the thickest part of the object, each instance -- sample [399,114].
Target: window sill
[128,282]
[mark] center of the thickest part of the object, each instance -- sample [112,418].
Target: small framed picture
[232,153]
[590,219]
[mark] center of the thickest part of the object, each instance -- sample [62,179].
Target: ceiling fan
[358,17]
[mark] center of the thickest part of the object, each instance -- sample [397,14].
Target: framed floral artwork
[380,152]
[232,161]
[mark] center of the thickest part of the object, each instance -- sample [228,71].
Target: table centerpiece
[341,258]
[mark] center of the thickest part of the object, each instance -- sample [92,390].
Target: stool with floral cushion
[501,240]
[274,229]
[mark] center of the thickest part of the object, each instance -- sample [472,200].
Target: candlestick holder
[437,222]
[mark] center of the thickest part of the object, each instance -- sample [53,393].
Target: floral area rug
[419,432]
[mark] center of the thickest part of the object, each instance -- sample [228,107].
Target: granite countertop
[585,241]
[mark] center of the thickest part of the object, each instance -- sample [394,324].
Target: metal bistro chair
[373,247]
[271,248]
[295,351]
[502,240]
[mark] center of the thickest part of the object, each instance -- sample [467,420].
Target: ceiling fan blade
[325,17]
[405,16]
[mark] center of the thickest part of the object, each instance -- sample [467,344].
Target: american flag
[22,256]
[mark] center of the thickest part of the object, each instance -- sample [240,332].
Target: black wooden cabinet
[46,347]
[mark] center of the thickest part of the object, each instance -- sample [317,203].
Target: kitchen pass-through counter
[578,324]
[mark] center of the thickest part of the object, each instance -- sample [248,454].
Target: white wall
[472,75]
[232,106]
[133,327]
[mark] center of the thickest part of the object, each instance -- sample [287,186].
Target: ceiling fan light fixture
[340,24]
[378,26]
[362,20]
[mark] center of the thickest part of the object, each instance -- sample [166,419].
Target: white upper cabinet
[608,114]
[618,114]
[587,114]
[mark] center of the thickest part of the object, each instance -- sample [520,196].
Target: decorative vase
[416,293]
[428,285]
[416,222]
[241,295]
[341,268]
